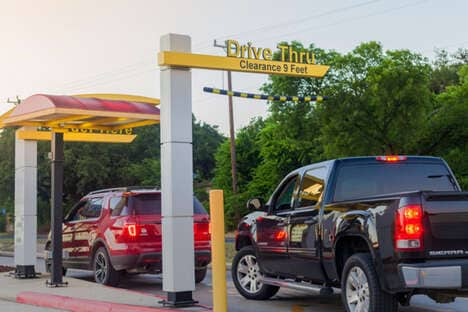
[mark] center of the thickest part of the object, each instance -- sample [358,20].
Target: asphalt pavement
[285,300]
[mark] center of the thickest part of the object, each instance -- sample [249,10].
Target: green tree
[381,102]
[248,157]
[446,130]
[90,166]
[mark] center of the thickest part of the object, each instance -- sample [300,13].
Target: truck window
[364,180]
[284,200]
[312,187]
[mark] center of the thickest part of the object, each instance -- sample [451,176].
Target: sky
[110,46]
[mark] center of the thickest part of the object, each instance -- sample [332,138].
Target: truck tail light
[391,158]
[281,235]
[409,228]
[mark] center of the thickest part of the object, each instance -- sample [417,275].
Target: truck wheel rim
[248,274]
[357,290]
[100,268]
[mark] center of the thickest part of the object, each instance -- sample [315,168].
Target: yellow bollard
[218,251]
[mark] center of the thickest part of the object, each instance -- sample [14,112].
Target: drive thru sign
[176,60]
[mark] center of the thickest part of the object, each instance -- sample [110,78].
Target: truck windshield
[364,180]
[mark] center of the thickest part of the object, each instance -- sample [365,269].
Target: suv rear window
[365,180]
[148,204]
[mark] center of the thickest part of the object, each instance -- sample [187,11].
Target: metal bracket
[24,272]
[179,299]
[50,284]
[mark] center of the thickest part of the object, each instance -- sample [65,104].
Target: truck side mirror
[256,204]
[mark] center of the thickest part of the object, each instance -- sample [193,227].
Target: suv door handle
[311,221]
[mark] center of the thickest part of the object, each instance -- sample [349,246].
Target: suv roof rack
[123,189]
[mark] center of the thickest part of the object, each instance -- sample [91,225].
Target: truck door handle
[310,221]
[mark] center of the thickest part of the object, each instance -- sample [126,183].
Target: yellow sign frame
[203,61]
[76,136]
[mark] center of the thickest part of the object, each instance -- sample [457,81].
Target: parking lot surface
[285,300]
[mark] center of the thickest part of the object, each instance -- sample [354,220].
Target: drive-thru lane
[286,300]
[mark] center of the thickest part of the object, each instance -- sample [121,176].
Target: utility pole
[16,102]
[231,134]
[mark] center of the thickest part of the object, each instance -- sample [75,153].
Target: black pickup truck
[380,228]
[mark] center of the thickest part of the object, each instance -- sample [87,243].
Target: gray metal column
[177,177]
[25,208]
[56,209]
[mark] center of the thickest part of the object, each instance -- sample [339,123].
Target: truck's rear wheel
[360,288]
[248,278]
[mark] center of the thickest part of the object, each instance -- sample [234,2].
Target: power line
[104,75]
[382,12]
[112,80]
[100,78]
[296,21]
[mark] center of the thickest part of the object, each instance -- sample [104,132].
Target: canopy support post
[177,177]
[25,207]
[56,210]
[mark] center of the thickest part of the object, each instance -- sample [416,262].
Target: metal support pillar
[232,137]
[177,177]
[25,208]
[56,209]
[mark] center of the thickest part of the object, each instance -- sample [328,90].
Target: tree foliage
[91,166]
[381,102]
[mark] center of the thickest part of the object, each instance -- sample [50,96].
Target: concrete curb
[79,305]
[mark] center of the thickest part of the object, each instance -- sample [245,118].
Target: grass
[230,251]
[7,243]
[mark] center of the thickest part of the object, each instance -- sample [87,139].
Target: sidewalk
[80,296]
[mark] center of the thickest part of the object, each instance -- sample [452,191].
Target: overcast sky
[110,46]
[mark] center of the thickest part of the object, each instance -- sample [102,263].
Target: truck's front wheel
[360,288]
[248,278]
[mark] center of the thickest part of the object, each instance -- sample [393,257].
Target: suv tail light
[409,228]
[202,231]
[134,230]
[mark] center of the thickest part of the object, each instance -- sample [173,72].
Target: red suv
[114,231]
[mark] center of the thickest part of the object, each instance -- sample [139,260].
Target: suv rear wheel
[200,275]
[104,273]
[248,278]
[360,288]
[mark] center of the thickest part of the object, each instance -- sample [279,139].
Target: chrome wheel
[100,268]
[248,274]
[357,290]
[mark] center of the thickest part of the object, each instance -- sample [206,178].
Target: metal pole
[232,137]
[218,251]
[56,205]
